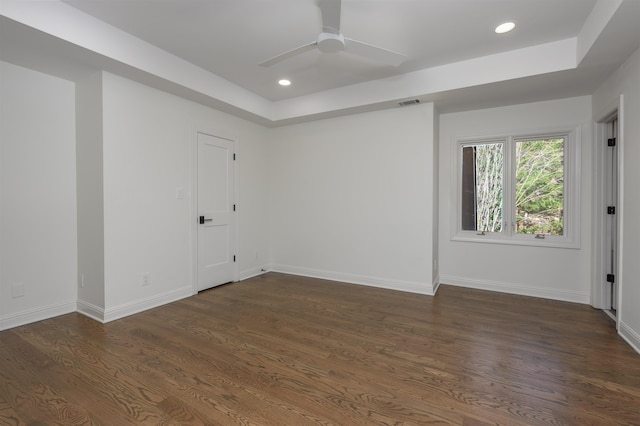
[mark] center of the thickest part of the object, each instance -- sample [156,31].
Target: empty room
[291,212]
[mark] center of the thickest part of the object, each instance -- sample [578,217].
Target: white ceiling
[231,37]
[559,48]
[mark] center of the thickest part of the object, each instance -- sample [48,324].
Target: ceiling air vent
[409,102]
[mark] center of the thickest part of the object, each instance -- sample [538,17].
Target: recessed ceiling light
[505,28]
[284,82]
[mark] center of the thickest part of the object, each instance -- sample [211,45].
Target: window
[482,183]
[539,182]
[519,189]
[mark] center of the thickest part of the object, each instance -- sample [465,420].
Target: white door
[215,206]
[611,198]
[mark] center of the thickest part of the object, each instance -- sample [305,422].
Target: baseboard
[90,310]
[628,334]
[435,285]
[253,272]
[521,289]
[407,286]
[131,308]
[37,314]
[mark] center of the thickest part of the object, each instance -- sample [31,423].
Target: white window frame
[572,178]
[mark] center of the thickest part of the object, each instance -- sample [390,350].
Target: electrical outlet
[82,280]
[146,279]
[17,290]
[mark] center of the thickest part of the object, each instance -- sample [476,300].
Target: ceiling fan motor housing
[330,43]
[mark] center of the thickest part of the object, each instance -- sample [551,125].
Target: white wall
[37,195]
[435,195]
[147,153]
[562,274]
[626,82]
[352,198]
[89,187]
[134,149]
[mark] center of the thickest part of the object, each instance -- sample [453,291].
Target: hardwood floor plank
[25,386]
[222,373]
[287,350]
[8,416]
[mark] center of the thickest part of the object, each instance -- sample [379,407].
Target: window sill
[531,241]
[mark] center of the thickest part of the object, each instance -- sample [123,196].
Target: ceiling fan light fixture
[330,43]
[505,27]
[330,40]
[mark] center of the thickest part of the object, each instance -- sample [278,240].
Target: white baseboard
[104,316]
[630,335]
[37,314]
[435,285]
[408,286]
[90,310]
[521,289]
[253,272]
[131,308]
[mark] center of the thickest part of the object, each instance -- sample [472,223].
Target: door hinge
[611,209]
[234,257]
[611,142]
[234,156]
[234,207]
[611,278]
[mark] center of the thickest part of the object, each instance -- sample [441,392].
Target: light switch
[180,193]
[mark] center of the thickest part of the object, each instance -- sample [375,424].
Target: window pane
[482,169]
[540,186]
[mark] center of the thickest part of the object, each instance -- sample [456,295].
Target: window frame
[571,190]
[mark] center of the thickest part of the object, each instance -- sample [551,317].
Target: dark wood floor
[285,350]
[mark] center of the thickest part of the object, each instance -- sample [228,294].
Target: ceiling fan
[331,40]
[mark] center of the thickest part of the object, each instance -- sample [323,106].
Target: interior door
[611,197]
[215,206]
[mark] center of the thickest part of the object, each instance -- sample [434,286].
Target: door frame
[600,293]
[193,191]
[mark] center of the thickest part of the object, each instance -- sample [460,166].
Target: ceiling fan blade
[330,16]
[289,54]
[373,53]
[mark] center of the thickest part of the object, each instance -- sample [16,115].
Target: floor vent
[409,102]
